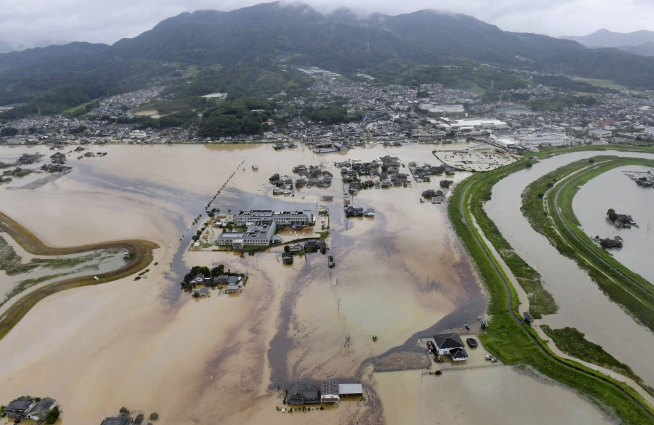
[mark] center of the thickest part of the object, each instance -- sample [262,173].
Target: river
[581,303]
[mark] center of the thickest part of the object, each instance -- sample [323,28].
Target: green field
[607,84]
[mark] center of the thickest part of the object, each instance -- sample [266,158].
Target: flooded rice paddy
[614,189]
[148,346]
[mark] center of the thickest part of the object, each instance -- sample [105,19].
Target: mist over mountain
[606,38]
[637,42]
[298,34]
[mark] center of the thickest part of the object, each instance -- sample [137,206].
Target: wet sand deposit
[147,346]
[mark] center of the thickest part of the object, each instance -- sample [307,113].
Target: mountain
[383,45]
[645,49]
[606,38]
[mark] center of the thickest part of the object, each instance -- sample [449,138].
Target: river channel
[581,303]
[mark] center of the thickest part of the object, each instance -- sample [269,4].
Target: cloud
[30,22]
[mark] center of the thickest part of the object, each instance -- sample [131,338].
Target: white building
[260,233]
[280,218]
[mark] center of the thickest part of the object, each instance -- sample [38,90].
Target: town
[390,115]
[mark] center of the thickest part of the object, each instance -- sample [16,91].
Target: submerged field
[148,346]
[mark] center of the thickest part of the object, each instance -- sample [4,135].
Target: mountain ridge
[298,34]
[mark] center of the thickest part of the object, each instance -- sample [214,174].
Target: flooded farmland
[149,346]
[581,304]
[614,189]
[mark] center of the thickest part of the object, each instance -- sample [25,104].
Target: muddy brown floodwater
[148,346]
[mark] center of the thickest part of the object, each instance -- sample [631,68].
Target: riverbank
[512,341]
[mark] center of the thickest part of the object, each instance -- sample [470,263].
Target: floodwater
[614,189]
[147,346]
[581,303]
[102,261]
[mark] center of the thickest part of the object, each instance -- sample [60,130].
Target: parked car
[472,343]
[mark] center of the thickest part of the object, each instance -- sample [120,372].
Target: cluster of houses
[309,247]
[423,173]
[381,173]
[329,392]
[436,196]
[36,409]
[351,211]
[310,177]
[261,227]
[233,283]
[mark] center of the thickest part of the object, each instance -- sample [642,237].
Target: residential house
[18,408]
[450,344]
[41,409]
[300,394]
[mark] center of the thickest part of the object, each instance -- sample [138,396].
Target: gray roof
[43,406]
[448,341]
[118,420]
[350,389]
[20,404]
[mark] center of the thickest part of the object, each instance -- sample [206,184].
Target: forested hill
[298,34]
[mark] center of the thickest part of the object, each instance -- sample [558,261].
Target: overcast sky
[29,22]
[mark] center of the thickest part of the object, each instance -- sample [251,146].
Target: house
[329,392]
[233,289]
[19,407]
[612,243]
[118,420]
[451,345]
[41,409]
[202,292]
[300,394]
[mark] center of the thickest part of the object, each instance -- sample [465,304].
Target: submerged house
[300,394]
[19,407]
[612,243]
[41,409]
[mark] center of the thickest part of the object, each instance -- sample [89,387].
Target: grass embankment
[516,344]
[140,257]
[623,286]
[540,300]
[573,342]
[546,152]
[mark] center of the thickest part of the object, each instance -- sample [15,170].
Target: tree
[124,411]
[612,215]
[52,415]
[154,416]
[287,248]
[8,132]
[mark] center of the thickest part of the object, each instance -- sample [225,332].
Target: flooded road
[582,304]
[614,189]
[148,346]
